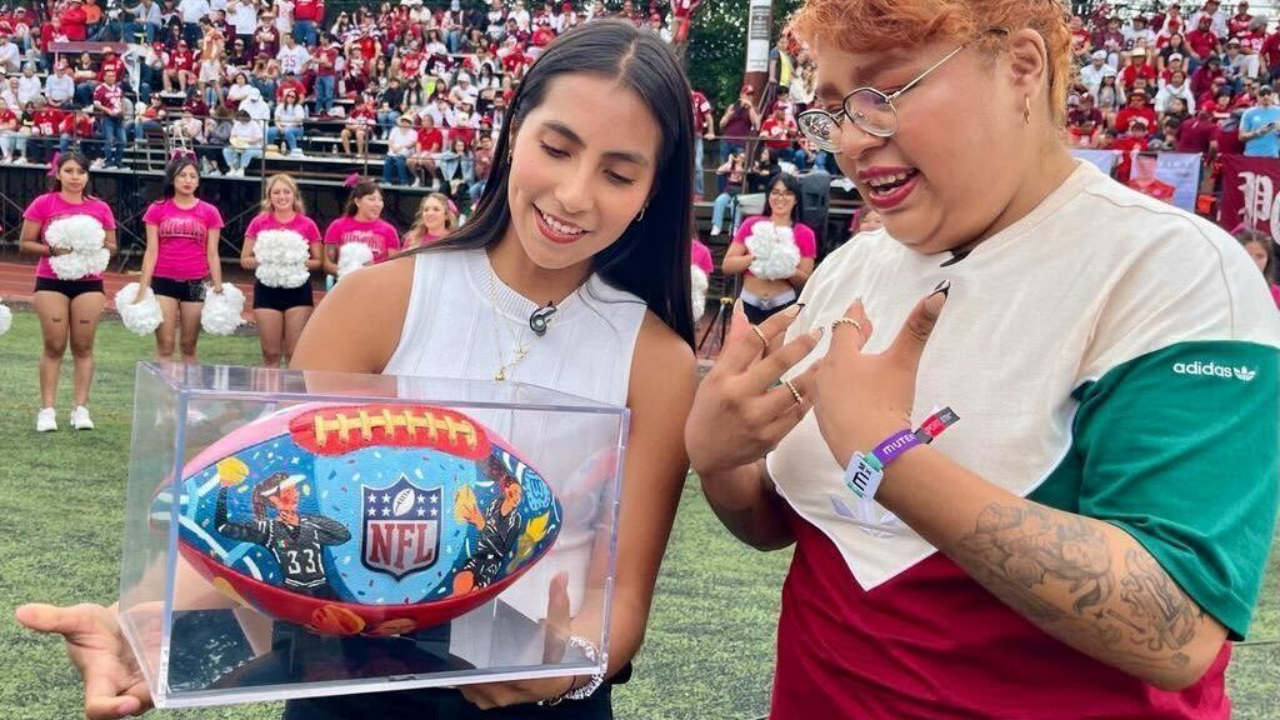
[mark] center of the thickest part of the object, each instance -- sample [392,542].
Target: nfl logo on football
[401,528]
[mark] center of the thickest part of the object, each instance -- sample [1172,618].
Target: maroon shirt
[1194,135]
[1228,137]
[933,644]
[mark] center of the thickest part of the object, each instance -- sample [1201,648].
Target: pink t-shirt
[50,206]
[379,235]
[806,241]
[301,224]
[702,258]
[1275,295]
[183,236]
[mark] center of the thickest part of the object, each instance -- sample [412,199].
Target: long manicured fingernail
[817,332]
[943,289]
[794,310]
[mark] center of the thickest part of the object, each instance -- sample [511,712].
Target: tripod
[718,328]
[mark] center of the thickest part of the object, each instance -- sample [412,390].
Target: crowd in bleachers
[1189,78]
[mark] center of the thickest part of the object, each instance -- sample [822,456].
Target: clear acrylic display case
[296,534]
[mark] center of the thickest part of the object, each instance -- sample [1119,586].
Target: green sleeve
[1181,449]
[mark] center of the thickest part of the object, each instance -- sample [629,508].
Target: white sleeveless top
[463,323]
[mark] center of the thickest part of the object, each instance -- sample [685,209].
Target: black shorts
[184,291]
[281,299]
[71,288]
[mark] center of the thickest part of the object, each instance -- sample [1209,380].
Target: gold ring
[847,321]
[794,392]
[755,329]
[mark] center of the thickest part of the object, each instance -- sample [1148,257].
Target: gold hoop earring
[1026,114]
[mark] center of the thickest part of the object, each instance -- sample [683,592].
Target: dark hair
[264,489]
[70,156]
[792,184]
[1263,239]
[361,189]
[175,166]
[651,258]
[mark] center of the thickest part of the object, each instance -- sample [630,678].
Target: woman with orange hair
[1092,531]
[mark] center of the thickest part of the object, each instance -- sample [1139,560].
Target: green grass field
[709,649]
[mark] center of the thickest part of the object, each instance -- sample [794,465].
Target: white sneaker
[47,420]
[97,164]
[715,231]
[80,418]
[296,152]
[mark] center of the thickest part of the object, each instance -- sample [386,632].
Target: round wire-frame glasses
[870,109]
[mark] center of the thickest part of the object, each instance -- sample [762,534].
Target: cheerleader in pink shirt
[280,311]
[182,254]
[68,309]
[361,223]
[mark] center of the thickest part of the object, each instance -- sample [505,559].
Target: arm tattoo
[1057,570]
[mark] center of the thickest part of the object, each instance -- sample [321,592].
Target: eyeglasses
[870,109]
[781,194]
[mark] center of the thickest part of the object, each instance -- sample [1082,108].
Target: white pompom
[142,318]
[352,257]
[78,264]
[84,237]
[282,259]
[282,276]
[699,284]
[6,318]
[775,251]
[222,311]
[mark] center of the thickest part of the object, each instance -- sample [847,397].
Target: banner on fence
[1249,194]
[1171,177]
[1182,171]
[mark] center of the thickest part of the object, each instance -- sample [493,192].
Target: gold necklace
[520,347]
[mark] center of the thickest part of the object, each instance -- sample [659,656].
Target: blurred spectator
[244,145]
[290,116]
[108,105]
[1260,126]
[400,145]
[740,121]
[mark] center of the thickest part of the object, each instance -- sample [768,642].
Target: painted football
[376,519]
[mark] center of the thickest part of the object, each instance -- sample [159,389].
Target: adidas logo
[1213,369]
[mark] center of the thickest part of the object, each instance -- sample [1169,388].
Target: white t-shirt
[28,88]
[1101,277]
[293,59]
[402,140]
[10,56]
[59,89]
[291,115]
[245,19]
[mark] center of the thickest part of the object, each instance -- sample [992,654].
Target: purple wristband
[896,444]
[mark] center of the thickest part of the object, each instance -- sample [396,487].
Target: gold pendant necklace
[519,346]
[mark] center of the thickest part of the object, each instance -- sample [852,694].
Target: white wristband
[597,678]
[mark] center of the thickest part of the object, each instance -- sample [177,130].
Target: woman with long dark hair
[774,284]
[69,309]
[587,209]
[1262,250]
[361,222]
[181,257]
